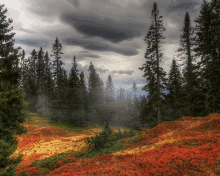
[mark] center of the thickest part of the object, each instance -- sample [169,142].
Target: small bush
[106,137]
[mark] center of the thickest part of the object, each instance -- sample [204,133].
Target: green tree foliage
[31,86]
[75,100]
[189,75]
[57,63]
[83,95]
[57,105]
[208,47]
[174,100]
[122,112]
[129,104]
[155,76]
[110,98]
[13,110]
[40,71]
[96,96]
[135,101]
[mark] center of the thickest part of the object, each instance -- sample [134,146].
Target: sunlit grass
[187,146]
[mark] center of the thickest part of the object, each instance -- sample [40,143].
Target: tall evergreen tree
[13,111]
[40,71]
[143,110]
[174,97]
[207,46]
[48,88]
[92,87]
[186,43]
[33,66]
[74,86]
[57,63]
[109,91]
[154,73]
[135,101]
[96,96]
[58,112]
[110,97]
[129,104]
[32,81]
[84,97]
[24,75]
[75,103]
[22,69]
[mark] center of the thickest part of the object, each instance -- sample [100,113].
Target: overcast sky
[109,33]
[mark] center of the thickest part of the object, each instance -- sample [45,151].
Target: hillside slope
[189,145]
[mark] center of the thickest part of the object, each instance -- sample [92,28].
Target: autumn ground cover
[187,146]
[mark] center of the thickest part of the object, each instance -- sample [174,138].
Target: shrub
[106,137]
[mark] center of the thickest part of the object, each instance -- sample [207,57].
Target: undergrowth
[103,143]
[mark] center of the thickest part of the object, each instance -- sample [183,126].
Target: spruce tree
[13,111]
[122,114]
[155,76]
[32,82]
[135,101]
[57,63]
[190,83]
[75,103]
[174,97]
[56,103]
[48,88]
[40,71]
[207,39]
[110,98]
[129,104]
[95,88]
[83,95]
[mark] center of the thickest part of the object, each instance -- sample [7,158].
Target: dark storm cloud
[90,55]
[37,43]
[182,6]
[100,46]
[109,29]
[127,72]
[75,3]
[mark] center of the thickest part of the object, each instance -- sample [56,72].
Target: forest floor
[187,146]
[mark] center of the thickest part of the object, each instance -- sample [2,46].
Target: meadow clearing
[187,146]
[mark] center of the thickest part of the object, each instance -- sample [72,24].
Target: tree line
[192,91]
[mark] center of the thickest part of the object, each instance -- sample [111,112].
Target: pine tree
[207,39]
[24,76]
[174,97]
[13,111]
[74,86]
[49,82]
[143,110]
[22,69]
[129,104]
[48,87]
[32,82]
[154,73]
[40,71]
[135,101]
[186,43]
[58,112]
[83,95]
[92,88]
[75,103]
[57,63]
[122,114]
[110,98]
